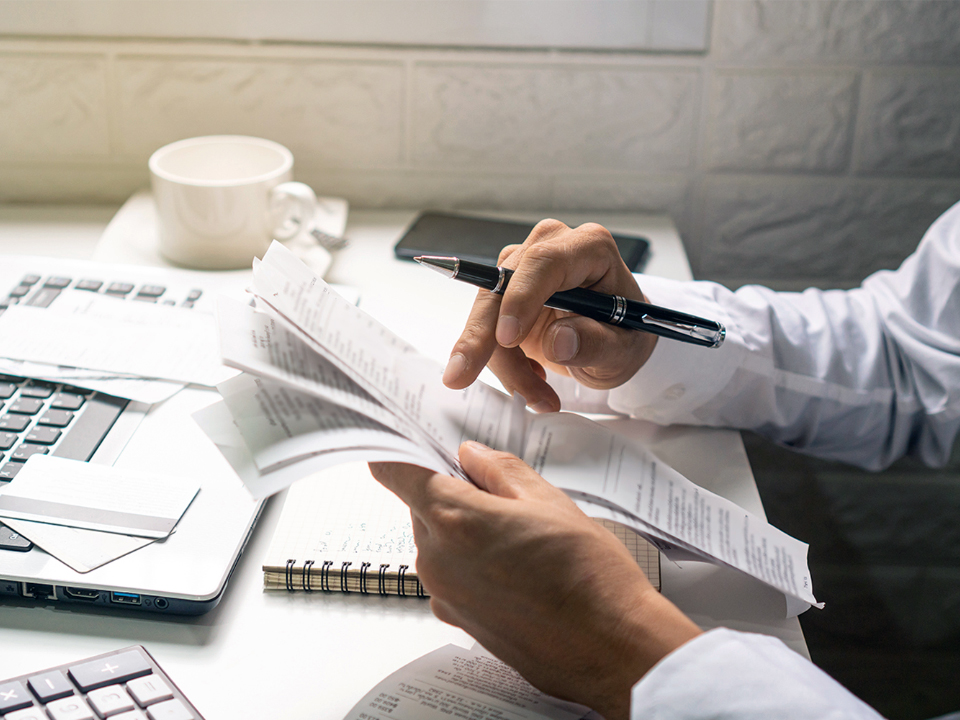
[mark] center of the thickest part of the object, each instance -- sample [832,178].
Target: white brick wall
[813,143]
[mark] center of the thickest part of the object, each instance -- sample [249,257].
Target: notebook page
[341,515]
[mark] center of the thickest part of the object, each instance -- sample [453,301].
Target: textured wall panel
[52,106]
[554,117]
[912,124]
[328,113]
[810,228]
[888,31]
[781,121]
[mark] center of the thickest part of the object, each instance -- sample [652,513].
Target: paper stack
[324,384]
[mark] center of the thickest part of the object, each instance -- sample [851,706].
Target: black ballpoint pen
[611,309]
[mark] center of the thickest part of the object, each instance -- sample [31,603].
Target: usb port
[81,593]
[124,598]
[38,590]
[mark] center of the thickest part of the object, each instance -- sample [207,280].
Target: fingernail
[542,407]
[454,369]
[474,445]
[508,330]
[566,343]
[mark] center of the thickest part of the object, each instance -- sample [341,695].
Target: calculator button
[110,670]
[169,710]
[110,700]
[13,696]
[55,418]
[30,280]
[132,715]
[43,297]
[67,401]
[152,291]
[26,406]
[70,708]
[19,291]
[118,288]
[27,451]
[150,689]
[15,423]
[194,295]
[44,435]
[91,285]
[50,686]
[33,713]
[58,282]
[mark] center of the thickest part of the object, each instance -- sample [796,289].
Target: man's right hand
[518,337]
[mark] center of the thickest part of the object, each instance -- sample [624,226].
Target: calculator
[125,684]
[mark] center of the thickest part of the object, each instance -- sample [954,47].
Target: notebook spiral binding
[306,578]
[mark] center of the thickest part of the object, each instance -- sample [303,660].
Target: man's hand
[518,337]
[518,566]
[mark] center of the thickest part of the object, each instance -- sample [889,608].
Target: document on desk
[452,682]
[323,368]
[94,332]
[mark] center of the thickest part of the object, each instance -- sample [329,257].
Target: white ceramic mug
[222,199]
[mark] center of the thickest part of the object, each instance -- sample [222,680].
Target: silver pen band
[500,280]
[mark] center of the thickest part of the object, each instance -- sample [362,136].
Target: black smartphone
[482,239]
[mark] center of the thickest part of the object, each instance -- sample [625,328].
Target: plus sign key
[108,671]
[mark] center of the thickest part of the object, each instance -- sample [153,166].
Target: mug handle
[292,207]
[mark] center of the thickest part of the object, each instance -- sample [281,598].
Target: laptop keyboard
[40,417]
[125,684]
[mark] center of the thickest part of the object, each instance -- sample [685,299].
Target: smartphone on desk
[481,239]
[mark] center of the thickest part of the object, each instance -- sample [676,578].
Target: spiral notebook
[342,531]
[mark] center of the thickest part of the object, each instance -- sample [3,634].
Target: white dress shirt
[864,376]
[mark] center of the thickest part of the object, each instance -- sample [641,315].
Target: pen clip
[711,338]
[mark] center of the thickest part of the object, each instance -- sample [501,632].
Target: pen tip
[419,259]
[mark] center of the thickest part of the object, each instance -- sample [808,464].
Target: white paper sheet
[452,682]
[78,494]
[87,330]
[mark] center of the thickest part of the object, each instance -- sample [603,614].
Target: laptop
[185,574]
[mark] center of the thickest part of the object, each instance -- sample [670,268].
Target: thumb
[502,474]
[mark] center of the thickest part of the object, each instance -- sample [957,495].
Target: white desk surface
[293,656]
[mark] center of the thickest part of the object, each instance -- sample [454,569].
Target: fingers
[505,475]
[596,354]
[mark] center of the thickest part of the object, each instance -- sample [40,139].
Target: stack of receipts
[324,383]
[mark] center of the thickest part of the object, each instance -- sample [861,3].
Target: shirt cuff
[679,378]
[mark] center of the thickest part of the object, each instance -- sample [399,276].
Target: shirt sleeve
[727,674]
[864,376]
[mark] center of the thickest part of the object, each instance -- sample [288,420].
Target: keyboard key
[144,298]
[58,282]
[194,295]
[7,389]
[50,685]
[43,297]
[27,406]
[7,440]
[169,710]
[109,671]
[30,280]
[26,451]
[91,285]
[43,435]
[152,291]
[9,470]
[19,291]
[36,390]
[14,423]
[119,288]
[13,696]
[149,689]
[67,401]
[110,700]
[10,540]
[56,418]
[71,708]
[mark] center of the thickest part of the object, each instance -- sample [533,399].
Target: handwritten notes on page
[452,682]
[326,383]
